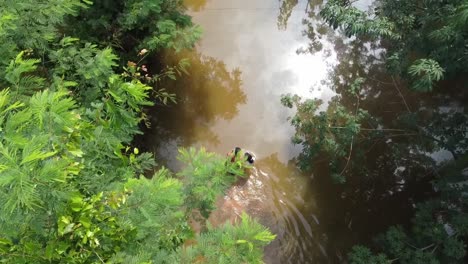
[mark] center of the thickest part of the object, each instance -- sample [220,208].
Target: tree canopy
[74,85]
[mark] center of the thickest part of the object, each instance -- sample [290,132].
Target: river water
[244,62]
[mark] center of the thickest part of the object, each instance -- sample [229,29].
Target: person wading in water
[237,152]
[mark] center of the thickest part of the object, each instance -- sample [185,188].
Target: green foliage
[355,22]
[154,207]
[426,72]
[423,43]
[427,38]
[32,24]
[88,231]
[68,197]
[72,188]
[205,176]
[439,226]
[87,65]
[229,244]
[144,23]
[331,132]
[35,134]
[134,71]
[83,28]
[362,255]
[16,74]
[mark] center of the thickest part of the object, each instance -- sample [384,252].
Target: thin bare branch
[401,95]
[349,156]
[102,261]
[431,245]
[373,129]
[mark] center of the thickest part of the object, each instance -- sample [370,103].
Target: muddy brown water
[239,70]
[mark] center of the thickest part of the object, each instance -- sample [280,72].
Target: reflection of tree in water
[315,30]
[209,91]
[380,94]
[286,9]
[319,220]
[195,5]
[399,151]
[383,96]
[387,170]
[354,212]
[388,167]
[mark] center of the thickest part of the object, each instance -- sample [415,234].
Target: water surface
[245,61]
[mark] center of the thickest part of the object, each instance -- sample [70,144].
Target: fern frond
[34,150]
[425,72]
[461,16]
[17,70]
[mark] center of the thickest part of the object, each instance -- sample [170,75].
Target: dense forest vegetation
[422,140]
[75,79]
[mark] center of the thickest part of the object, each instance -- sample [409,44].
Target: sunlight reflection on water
[243,36]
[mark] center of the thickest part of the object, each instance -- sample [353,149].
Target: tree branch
[424,248]
[401,95]
[349,156]
[372,129]
[102,261]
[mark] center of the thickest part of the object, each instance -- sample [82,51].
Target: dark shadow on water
[317,220]
[207,93]
[382,188]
